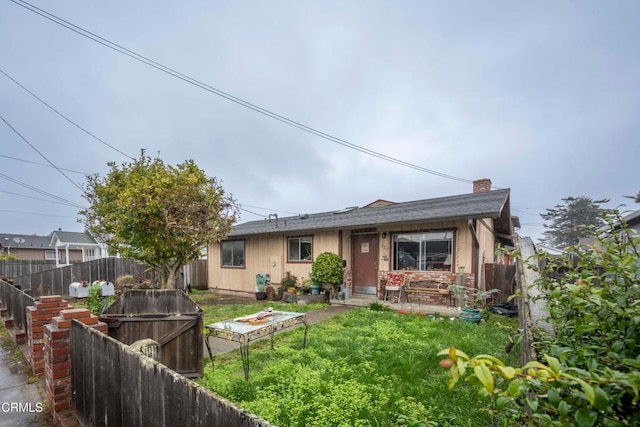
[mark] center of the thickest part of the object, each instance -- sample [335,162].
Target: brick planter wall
[37,317]
[57,367]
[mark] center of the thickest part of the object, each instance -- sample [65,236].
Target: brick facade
[426,279]
[37,317]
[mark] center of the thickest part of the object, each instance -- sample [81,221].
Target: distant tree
[156,213]
[566,223]
[636,198]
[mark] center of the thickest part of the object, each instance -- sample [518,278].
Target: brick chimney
[481,185]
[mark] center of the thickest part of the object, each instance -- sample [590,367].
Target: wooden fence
[57,281]
[10,268]
[502,277]
[113,385]
[15,301]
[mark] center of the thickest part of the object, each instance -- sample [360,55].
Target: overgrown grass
[215,309]
[363,368]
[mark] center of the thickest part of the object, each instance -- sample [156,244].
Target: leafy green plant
[376,306]
[327,270]
[94,299]
[589,372]
[96,303]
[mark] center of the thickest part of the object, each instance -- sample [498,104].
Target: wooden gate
[168,317]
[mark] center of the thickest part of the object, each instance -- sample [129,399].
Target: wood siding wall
[113,385]
[260,254]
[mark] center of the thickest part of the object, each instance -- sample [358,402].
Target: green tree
[159,214]
[568,222]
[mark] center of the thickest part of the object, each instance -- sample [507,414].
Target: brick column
[57,367]
[37,317]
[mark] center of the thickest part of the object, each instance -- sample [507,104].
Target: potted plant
[478,300]
[459,293]
[289,282]
[262,280]
[327,270]
[306,286]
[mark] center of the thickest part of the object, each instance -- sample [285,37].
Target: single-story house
[431,240]
[61,246]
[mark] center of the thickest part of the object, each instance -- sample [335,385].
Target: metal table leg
[244,353]
[306,329]
[206,341]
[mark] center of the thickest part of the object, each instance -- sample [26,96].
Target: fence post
[57,368]
[38,316]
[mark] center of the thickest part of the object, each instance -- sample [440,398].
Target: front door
[364,248]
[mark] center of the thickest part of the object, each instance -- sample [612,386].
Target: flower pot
[261,296]
[315,289]
[471,315]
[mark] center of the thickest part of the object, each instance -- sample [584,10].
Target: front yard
[363,368]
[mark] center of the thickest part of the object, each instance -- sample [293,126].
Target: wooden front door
[364,248]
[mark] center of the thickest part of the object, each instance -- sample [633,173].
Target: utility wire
[34,213]
[268,209]
[43,164]
[36,198]
[120,49]
[42,155]
[37,190]
[65,117]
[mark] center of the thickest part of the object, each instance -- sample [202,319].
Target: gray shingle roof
[491,204]
[24,241]
[73,237]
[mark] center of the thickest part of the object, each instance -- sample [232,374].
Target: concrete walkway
[20,402]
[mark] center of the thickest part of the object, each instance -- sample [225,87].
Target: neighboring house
[430,240]
[77,246]
[633,221]
[63,247]
[27,247]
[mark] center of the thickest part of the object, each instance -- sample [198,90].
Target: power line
[43,164]
[65,117]
[140,58]
[34,213]
[42,155]
[37,190]
[36,198]
[268,209]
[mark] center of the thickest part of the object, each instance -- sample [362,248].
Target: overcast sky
[540,97]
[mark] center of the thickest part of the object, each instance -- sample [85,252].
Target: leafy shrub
[94,300]
[591,374]
[327,270]
[96,303]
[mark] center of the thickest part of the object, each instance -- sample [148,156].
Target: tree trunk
[172,273]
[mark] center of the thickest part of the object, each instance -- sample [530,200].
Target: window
[300,248]
[51,255]
[423,251]
[233,253]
